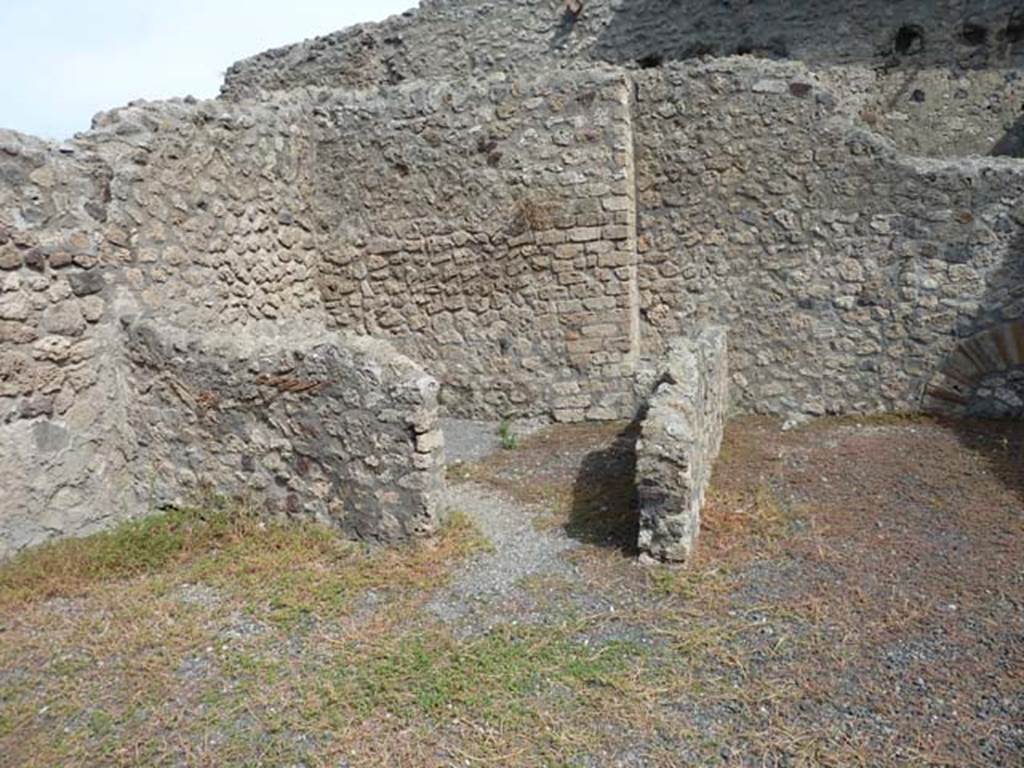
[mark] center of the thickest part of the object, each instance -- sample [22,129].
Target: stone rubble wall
[499,233]
[209,214]
[849,300]
[680,437]
[52,276]
[488,229]
[452,38]
[196,214]
[844,270]
[309,424]
[531,207]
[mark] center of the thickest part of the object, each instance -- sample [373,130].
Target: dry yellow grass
[823,623]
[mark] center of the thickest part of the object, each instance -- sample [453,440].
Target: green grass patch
[135,547]
[492,679]
[294,567]
[287,574]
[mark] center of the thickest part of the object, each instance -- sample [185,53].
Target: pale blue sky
[65,60]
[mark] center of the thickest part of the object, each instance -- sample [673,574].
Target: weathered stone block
[10,257]
[86,283]
[14,306]
[64,318]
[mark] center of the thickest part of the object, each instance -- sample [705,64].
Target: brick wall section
[983,376]
[488,229]
[680,438]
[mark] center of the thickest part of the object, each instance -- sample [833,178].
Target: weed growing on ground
[509,440]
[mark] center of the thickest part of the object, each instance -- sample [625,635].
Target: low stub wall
[328,426]
[679,441]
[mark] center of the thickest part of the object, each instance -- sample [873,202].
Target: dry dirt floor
[857,600]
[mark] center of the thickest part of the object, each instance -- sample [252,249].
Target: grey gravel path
[482,589]
[466,441]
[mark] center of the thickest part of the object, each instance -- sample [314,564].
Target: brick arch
[964,384]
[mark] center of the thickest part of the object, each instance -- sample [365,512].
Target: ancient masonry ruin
[499,209]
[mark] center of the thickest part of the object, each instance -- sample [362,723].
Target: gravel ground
[857,599]
[489,588]
[865,573]
[467,441]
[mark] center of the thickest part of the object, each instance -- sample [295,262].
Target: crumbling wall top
[456,37]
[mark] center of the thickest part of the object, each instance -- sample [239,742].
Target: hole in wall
[1014,31]
[1011,144]
[394,76]
[566,24]
[775,48]
[700,49]
[973,33]
[909,40]
[486,144]
[650,61]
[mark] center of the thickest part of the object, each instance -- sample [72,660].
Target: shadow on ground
[1001,443]
[604,502]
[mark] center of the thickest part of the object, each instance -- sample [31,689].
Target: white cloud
[65,60]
